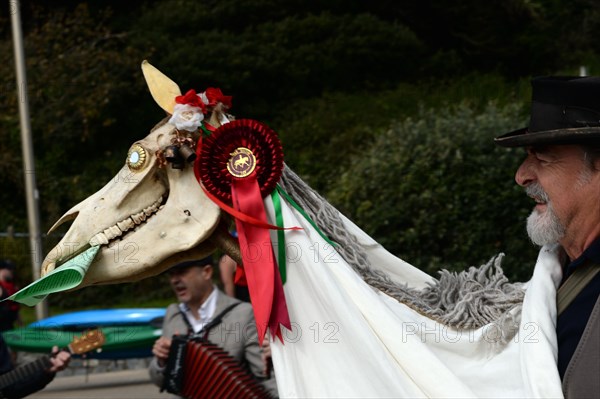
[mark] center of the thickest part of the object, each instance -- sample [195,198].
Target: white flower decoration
[186,117]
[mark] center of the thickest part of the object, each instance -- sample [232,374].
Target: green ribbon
[281,256]
[63,278]
[205,129]
[299,209]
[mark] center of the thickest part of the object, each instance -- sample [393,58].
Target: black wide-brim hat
[564,110]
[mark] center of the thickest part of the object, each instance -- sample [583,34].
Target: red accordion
[199,369]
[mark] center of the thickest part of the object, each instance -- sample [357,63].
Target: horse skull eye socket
[136,157]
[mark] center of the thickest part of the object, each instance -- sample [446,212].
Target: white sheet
[352,341]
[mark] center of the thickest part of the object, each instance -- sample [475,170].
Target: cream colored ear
[163,89]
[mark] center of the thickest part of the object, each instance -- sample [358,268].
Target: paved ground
[100,379]
[126,384]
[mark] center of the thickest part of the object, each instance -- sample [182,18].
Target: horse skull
[146,218]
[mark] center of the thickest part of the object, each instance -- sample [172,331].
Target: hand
[266,356]
[161,350]
[60,360]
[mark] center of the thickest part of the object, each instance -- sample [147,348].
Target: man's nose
[524,175]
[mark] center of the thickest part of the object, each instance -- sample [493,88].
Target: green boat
[121,342]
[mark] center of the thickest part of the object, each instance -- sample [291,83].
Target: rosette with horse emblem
[240,163]
[237,150]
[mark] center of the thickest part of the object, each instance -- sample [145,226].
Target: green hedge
[437,191]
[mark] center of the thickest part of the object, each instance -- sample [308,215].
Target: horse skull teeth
[98,239]
[136,218]
[116,231]
[111,233]
[126,224]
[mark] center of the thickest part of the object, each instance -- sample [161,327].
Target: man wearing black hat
[562,174]
[200,305]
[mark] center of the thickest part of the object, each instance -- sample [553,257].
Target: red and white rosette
[240,163]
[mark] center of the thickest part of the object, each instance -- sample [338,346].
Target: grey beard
[543,228]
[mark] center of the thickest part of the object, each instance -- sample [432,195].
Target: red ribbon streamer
[242,216]
[262,274]
[246,194]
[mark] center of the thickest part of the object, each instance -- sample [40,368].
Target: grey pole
[35,238]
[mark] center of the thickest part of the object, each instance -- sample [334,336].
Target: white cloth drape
[352,341]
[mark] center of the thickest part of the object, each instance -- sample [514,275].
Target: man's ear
[208,270]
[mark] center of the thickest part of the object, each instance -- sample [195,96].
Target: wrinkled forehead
[558,151]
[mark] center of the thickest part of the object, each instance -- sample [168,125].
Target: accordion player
[229,327]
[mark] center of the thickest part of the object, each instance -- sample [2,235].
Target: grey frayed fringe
[475,298]
[470,299]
